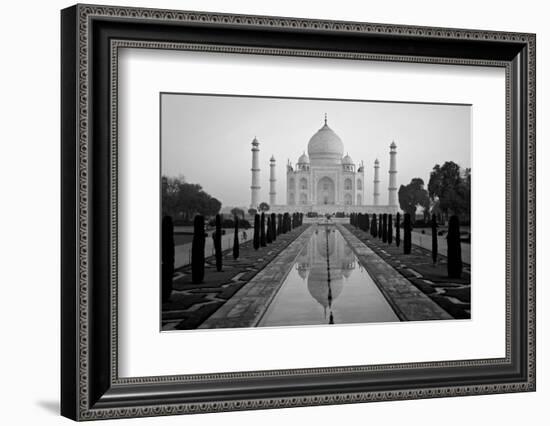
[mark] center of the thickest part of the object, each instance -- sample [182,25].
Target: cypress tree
[286,226]
[371,230]
[407,234]
[273,226]
[390,229]
[167,257]
[398,229]
[197,250]
[218,242]
[454,251]
[374,226]
[236,239]
[367,224]
[268,233]
[434,239]
[280,224]
[262,230]
[384,227]
[380,225]
[256,241]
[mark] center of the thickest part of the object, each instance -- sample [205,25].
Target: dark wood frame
[90,386]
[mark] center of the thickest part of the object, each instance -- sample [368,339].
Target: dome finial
[325,118]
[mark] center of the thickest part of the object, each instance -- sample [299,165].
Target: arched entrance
[326,191]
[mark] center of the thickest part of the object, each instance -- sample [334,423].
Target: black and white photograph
[280,212]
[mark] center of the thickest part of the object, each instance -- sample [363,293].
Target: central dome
[325,145]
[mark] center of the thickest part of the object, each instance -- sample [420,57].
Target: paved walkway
[425,241]
[247,306]
[408,302]
[183,251]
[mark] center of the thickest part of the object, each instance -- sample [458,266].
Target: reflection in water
[327,285]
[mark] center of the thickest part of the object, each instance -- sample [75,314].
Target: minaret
[272,180]
[392,189]
[255,187]
[376,192]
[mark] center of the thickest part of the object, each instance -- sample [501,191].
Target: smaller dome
[304,159]
[347,160]
[272,159]
[376,161]
[255,141]
[393,145]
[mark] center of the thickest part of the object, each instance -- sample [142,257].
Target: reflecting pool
[327,285]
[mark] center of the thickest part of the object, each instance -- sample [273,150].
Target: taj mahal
[325,180]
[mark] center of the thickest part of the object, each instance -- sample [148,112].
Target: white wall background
[29,213]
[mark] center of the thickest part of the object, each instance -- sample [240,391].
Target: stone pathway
[453,295]
[190,304]
[408,302]
[247,306]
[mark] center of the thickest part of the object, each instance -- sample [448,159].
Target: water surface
[327,285]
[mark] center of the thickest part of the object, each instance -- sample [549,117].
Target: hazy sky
[207,139]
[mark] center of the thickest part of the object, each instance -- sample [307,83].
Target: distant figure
[244,235]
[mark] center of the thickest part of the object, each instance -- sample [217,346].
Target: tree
[217,237]
[252,212]
[167,257]
[398,229]
[380,224]
[236,239]
[454,250]
[407,228]
[273,226]
[384,227]
[237,212]
[433,224]
[412,196]
[262,230]
[390,229]
[286,223]
[279,224]
[256,240]
[183,201]
[374,226]
[263,207]
[268,238]
[197,250]
[451,188]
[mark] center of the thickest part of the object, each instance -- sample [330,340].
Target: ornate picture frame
[91,37]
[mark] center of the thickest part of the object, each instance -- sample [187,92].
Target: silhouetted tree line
[448,193]
[182,201]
